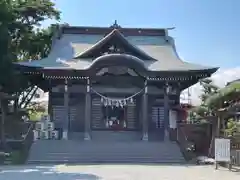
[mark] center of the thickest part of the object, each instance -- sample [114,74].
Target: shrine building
[105,80]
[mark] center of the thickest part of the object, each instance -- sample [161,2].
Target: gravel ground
[116,172]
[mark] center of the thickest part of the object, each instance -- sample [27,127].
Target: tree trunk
[211,151]
[3,116]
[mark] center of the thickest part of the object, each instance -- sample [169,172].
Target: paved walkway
[116,172]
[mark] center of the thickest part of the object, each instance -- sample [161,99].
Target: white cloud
[220,78]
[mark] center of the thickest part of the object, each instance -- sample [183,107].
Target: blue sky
[207,31]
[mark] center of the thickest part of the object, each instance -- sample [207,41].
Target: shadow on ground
[235,169]
[44,172]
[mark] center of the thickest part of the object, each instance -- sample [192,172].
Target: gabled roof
[74,51]
[117,39]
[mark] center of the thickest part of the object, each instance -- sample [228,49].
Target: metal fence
[235,157]
[235,152]
[235,148]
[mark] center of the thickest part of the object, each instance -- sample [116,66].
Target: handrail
[29,130]
[184,134]
[185,145]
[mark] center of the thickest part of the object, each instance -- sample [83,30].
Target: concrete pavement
[116,172]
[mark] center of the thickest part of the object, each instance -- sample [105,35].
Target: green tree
[23,38]
[208,90]
[224,97]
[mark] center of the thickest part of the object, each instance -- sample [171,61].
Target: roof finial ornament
[115,25]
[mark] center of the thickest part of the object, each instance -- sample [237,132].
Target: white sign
[173,119]
[222,150]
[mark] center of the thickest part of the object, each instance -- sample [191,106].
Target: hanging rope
[116,102]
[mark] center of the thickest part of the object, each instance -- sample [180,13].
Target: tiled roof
[70,46]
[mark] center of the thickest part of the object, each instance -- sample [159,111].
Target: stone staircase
[73,151]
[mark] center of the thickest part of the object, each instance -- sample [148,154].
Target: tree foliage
[232,128]
[214,98]
[23,38]
[224,97]
[209,89]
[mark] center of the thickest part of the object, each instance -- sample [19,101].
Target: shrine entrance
[114,117]
[118,92]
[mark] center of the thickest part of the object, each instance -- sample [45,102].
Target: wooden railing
[27,141]
[21,147]
[17,149]
[235,152]
[235,157]
[185,145]
[28,137]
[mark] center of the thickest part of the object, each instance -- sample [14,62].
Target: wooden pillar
[219,119]
[145,112]
[87,124]
[166,113]
[50,110]
[66,108]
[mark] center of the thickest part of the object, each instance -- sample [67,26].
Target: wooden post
[166,114]
[88,101]
[218,126]
[66,108]
[50,110]
[145,112]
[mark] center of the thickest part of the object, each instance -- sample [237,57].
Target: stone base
[145,137]
[65,135]
[87,137]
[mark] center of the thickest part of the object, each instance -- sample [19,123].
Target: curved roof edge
[118,59]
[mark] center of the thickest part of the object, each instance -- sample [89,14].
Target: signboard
[222,150]
[173,119]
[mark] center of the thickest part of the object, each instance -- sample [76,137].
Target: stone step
[124,161]
[113,158]
[60,151]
